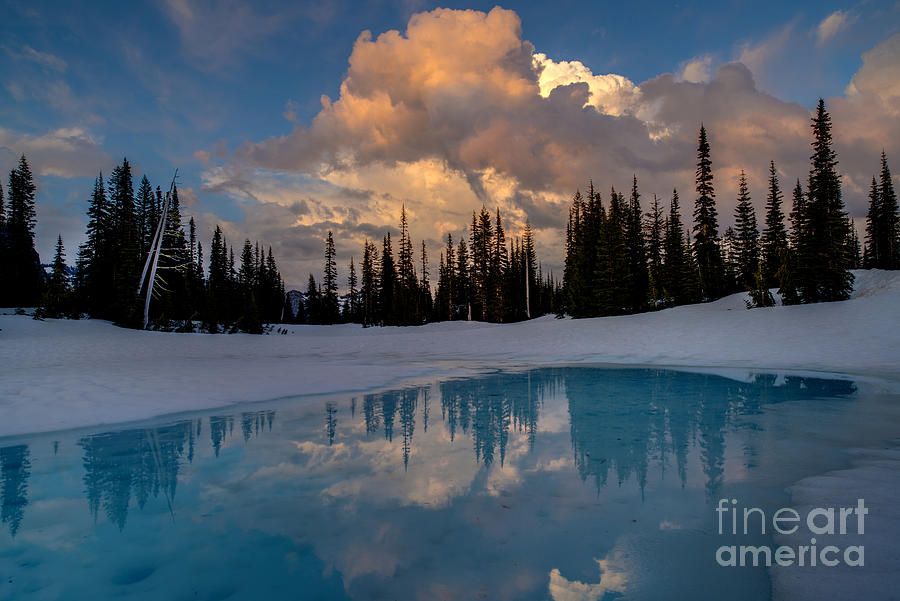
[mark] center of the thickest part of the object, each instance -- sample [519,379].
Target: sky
[287,119]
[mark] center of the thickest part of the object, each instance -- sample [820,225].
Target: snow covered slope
[63,374]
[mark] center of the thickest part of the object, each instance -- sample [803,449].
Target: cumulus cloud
[460,110]
[832,24]
[696,70]
[66,152]
[879,75]
[611,94]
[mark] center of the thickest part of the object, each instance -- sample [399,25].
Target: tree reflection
[15,467]
[140,464]
[622,421]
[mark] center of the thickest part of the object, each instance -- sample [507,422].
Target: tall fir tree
[146,215]
[426,302]
[56,298]
[351,309]
[890,218]
[612,288]
[408,287]
[573,282]
[873,254]
[387,284]
[706,226]
[463,281]
[746,236]
[528,262]
[23,277]
[126,268]
[369,285]
[330,312]
[774,237]
[635,250]
[481,237]
[314,302]
[823,255]
[655,231]
[680,280]
[499,263]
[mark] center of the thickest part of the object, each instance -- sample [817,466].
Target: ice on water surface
[562,483]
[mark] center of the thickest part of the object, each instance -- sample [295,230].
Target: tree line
[107,280]
[489,278]
[621,260]
[618,259]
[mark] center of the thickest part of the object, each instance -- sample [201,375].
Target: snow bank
[65,374]
[873,477]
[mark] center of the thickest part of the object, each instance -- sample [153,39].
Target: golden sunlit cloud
[459,111]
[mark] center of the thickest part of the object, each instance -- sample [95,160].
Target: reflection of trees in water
[622,419]
[487,408]
[143,463]
[493,406]
[330,421]
[15,467]
[621,422]
[380,411]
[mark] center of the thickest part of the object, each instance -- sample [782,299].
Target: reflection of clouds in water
[613,580]
[487,500]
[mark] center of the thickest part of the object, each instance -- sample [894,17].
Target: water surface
[577,483]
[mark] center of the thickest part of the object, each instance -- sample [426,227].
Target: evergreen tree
[463,281]
[387,285]
[499,263]
[612,288]
[746,237]
[854,248]
[528,263]
[730,261]
[446,291]
[797,216]
[313,302]
[408,287]
[23,277]
[217,285]
[247,271]
[195,270]
[330,312]
[873,255]
[573,282]
[774,236]
[426,303]
[823,258]
[174,264]
[654,233]
[126,268]
[706,227]
[636,255]
[890,219]
[369,290]
[676,262]
[146,215]
[351,309]
[481,247]
[95,257]
[56,296]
